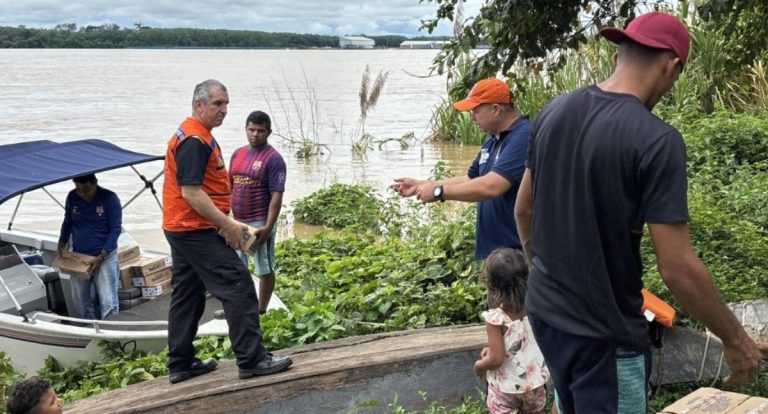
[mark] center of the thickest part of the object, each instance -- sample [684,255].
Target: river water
[136,98]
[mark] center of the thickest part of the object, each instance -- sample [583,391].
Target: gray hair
[203,89]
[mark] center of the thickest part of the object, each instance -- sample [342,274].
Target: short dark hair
[26,394]
[635,52]
[87,178]
[259,118]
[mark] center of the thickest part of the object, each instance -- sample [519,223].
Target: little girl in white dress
[512,362]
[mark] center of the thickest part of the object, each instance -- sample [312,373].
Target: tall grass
[704,85]
[450,125]
[369,93]
[447,124]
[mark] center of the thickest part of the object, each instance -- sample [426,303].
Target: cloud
[329,17]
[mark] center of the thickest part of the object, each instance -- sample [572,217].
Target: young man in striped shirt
[257,175]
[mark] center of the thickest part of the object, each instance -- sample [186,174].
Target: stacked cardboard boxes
[152,275]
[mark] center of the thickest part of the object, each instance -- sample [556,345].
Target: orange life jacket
[178,214]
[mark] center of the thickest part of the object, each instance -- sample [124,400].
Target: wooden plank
[323,366]
[351,363]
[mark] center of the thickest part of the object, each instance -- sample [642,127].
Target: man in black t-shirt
[600,165]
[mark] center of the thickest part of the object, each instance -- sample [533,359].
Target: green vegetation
[538,36]
[340,205]
[337,285]
[110,36]
[719,104]
[412,267]
[401,265]
[470,405]
[447,124]
[7,377]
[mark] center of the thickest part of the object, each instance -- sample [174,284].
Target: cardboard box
[147,265]
[128,252]
[153,278]
[714,401]
[75,264]
[249,234]
[157,290]
[126,273]
[251,243]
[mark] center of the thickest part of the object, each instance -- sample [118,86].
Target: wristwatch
[437,192]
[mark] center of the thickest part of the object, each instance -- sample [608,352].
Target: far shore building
[355,42]
[422,44]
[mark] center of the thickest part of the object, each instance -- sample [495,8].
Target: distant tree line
[69,35]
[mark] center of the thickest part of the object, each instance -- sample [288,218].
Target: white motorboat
[35,303]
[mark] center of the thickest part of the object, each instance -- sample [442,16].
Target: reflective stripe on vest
[178,214]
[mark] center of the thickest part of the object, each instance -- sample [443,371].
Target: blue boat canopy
[27,166]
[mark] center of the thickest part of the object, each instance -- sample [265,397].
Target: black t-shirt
[602,166]
[191,160]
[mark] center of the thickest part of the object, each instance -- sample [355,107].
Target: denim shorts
[264,257]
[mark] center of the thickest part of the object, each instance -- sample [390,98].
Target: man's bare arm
[524,213]
[692,285]
[486,187]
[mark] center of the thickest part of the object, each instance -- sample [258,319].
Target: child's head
[506,276]
[33,396]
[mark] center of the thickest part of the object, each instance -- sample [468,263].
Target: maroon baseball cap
[656,30]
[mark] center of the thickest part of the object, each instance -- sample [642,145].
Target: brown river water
[136,98]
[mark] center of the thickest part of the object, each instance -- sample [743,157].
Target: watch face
[437,192]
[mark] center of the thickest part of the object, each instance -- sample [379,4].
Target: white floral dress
[523,369]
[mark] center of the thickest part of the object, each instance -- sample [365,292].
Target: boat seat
[46,273]
[53,290]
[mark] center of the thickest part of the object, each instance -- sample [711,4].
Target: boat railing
[96,324]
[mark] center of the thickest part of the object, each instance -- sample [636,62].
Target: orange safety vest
[178,215]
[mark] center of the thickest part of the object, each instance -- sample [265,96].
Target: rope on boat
[704,362]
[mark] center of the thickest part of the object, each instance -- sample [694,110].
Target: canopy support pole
[148,185]
[15,210]
[54,198]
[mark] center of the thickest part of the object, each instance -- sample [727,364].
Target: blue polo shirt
[93,225]
[505,156]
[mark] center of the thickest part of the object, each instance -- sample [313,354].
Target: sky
[327,17]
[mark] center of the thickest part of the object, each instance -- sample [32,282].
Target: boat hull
[28,344]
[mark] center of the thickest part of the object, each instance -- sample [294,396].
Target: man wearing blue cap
[600,166]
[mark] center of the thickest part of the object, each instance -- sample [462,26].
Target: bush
[339,206]
[721,143]
[728,174]
[353,284]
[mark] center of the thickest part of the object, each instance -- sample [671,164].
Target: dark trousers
[593,376]
[203,261]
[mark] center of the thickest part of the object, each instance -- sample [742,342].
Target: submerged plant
[300,116]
